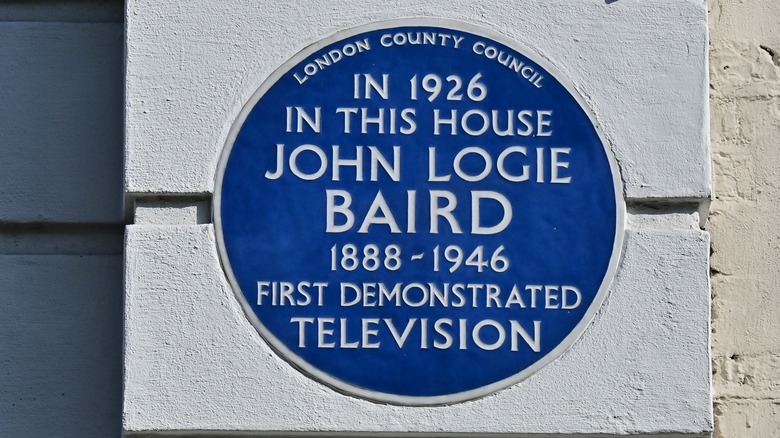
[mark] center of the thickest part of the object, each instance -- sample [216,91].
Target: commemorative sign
[418,212]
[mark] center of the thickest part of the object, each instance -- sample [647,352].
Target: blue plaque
[418,212]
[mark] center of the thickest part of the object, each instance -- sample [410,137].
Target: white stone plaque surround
[193,361]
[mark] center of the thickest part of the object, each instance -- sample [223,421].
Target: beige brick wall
[745,216]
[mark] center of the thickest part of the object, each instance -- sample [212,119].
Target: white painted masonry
[196,363]
[745,219]
[191,66]
[193,362]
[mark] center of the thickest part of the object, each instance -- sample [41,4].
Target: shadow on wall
[61,345]
[61,109]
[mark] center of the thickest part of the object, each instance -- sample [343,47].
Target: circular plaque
[418,212]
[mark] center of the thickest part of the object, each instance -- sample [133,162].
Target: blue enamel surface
[274,230]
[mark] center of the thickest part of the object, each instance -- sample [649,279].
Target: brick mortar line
[723,399]
[751,98]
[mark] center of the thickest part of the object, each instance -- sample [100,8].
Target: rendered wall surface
[175,128]
[193,362]
[61,219]
[745,77]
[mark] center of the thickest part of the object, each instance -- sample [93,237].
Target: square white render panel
[194,362]
[202,355]
[641,67]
